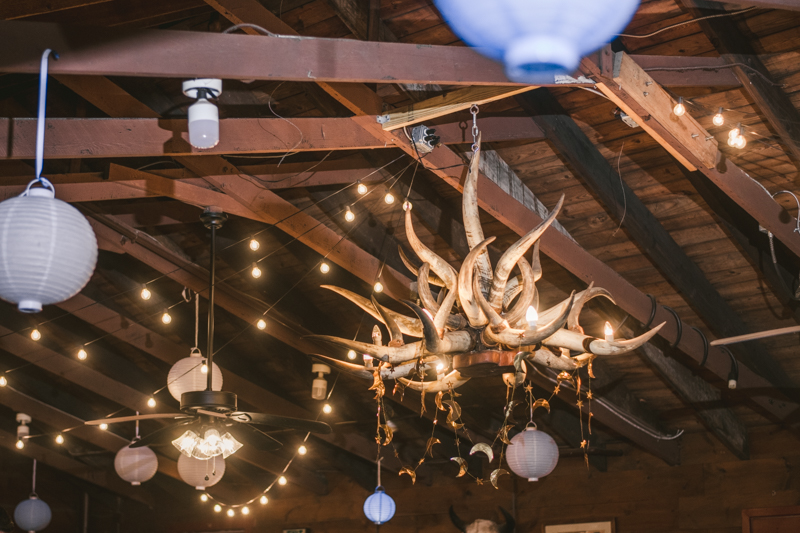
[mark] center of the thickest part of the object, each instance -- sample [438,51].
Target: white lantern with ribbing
[537,40]
[187,375]
[48,250]
[32,514]
[379,508]
[199,473]
[136,465]
[532,454]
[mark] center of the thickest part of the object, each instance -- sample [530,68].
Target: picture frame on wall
[584,527]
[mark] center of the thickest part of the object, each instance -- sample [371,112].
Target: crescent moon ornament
[411,473]
[439,405]
[462,463]
[455,411]
[484,448]
[541,402]
[496,474]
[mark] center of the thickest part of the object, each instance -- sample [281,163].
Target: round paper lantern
[32,514]
[48,248]
[187,375]
[199,473]
[532,453]
[379,507]
[537,39]
[136,465]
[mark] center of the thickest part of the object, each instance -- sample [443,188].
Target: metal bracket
[382,119]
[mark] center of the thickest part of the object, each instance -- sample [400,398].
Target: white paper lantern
[32,514]
[48,250]
[187,375]
[532,454]
[537,39]
[379,507]
[136,465]
[201,474]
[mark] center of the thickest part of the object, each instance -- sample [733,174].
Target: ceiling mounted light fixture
[203,115]
[210,444]
[319,387]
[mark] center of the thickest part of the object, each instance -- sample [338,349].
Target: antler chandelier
[479,309]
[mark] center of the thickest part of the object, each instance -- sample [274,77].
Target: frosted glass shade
[379,508]
[136,465]
[32,514]
[201,474]
[48,250]
[532,454]
[187,375]
[203,124]
[537,40]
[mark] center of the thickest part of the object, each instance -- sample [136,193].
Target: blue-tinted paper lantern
[32,514]
[537,39]
[379,507]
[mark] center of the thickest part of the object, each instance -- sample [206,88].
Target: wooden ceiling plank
[184,54]
[16,9]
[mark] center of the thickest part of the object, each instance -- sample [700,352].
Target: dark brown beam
[788,5]
[182,54]
[14,9]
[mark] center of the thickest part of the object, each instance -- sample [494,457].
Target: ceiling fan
[209,423]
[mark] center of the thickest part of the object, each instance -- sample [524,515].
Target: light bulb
[145,294]
[350,355]
[261,324]
[103,426]
[378,286]
[263,500]
[349,215]
[740,142]
[245,510]
[204,497]
[324,268]
[327,409]
[532,316]
[732,141]
[362,189]
[608,331]
[389,198]
[282,480]
[406,205]
[217,508]
[3,381]
[679,108]
[718,119]
[230,512]
[20,444]
[82,355]
[36,335]
[60,439]
[255,272]
[254,245]
[734,132]
[302,450]
[151,402]
[203,124]
[204,369]
[439,368]
[166,318]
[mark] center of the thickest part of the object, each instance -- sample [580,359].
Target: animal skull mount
[478,310]
[484,526]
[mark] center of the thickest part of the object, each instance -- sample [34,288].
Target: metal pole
[212,275]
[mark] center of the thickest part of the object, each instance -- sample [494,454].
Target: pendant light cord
[212,275]
[42,108]
[33,488]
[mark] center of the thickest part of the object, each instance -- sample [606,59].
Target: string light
[302,450]
[254,245]
[204,368]
[230,512]
[362,189]
[261,324]
[103,426]
[151,402]
[145,294]
[327,409]
[324,268]
[166,318]
[245,510]
[349,215]
[82,355]
[736,137]
[256,272]
[20,444]
[351,355]
[389,198]
[36,334]
[263,500]
[679,108]
[378,286]
[217,508]
[60,439]
[3,381]
[282,480]
[718,119]
[204,497]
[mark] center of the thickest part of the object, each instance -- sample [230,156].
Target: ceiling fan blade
[251,436]
[263,419]
[153,416]
[164,435]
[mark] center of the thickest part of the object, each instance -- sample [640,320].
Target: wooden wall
[640,493]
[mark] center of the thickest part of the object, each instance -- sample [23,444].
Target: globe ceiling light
[187,375]
[211,444]
[532,454]
[203,115]
[537,40]
[201,474]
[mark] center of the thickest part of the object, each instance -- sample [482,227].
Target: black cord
[652,311]
[705,345]
[678,323]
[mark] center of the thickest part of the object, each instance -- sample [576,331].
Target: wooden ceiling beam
[787,5]
[183,54]
[19,9]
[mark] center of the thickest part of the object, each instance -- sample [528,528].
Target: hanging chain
[474,110]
